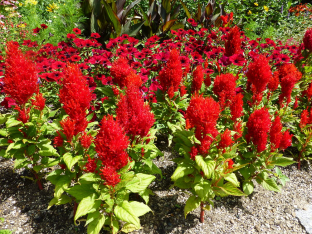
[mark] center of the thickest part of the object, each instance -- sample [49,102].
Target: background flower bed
[217,59]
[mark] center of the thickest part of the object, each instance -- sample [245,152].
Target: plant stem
[38,181]
[202,212]
[75,208]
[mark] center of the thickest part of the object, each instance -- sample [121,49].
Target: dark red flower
[85,140]
[226,140]
[237,107]
[276,133]
[36,30]
[77,31]
[58,140]
[90,166]
[198,78]
[224,87]
[233,43]
[110,176]
[286,140]
[95,35]
[307,39]
[71,36]
[39,102]
[44,26]
[193,152]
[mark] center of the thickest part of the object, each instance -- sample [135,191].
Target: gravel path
[23,206]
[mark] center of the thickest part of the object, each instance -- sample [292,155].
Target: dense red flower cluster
[170,76]
[237,106]
[21,79]
[288,69]
[203,114]
[110,176]
[23,114]
[238,128]
[226,139]
[85,140]
[122,73]
[133,114]
[90,165]
[111,144]
[259,124]
[274,82]
[68,126]
[307,39]
[75,96]
[58,140]
[233,43]
[224,87]
[259,75]
[306,118]
[287,83]
[276,133]
[39,102]
[198,78]
[286,140]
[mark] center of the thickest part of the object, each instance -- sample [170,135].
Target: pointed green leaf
[140,182]
[139,208]
[96,225]
[128,227]
[231,177]
[248,187]
[127,214]
[182,170]
[86,205]
[191,204]
[230,189]
[282,161]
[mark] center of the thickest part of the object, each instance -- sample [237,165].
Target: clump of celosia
[233,42]
[170,76]
[198,78]
[224,87]
[202,114]
[259,124]
[133,114]
[307,39]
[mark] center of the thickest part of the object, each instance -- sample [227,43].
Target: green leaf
[191,204]
[49,162]
[92,216]
[37,168]
[140,182]
[89,178]
[47,149]
[269,184]
[128,227]
[62,200]
[206,166]
[231,177]
[80,191]
[61,185]
[203,190]
[95,226]
[31,149]
[230,189]
[12,122]
[182,170]
[3,132]
[112,16]
[186,10]
[22,162]
[248,187]
[86,205]
[127,214]
[139,208]
[145,194]
[282,177]
[4,142]
[70,161]
[283,161]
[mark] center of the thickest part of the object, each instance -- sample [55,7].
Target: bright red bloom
[44,26]
[207,81]
[111,144]
[75,95]
[259,124]
[230,163]
[274,82]
[183,90]
[226,140]
[21,79]
[194,152]
[198,78]
[68,126]
[237,107]
[305,118]
[110,176]
[276,133]
[95,35]
[77,31]
[203,114]
[120,70]
[85,140]
[287,83]
[233,43]
[133,114]
[39,102]
[36,30]
[259,75]
[23,114]
[287,69]
[238,129]
[286,140]
[307,39]
[170,76]
[90,165]
[224,87]
[58,140]
[132,80]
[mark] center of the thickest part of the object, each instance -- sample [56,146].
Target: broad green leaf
[191,204]
[86,205]
[270,184]
[92,216]
[61,185]
[127,214]
[31,149]
[12,122]
[128,227]
[4,142]
[140,182]
[37,168]
[49,162]
[182,170]
[230,189]
[186,10]
[3,132]
[283,161]
[145,194]
[248,187]
[89,178]
[112,16]
[19,163]
[203,190]
[231,177]
[80,191]
[95,226]
[139,208]
[70,161]
[62,200]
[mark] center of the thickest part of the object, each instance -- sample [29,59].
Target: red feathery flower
[230,163]
[238,129]
[194,152]
[85,140]
[305,118]
[90,165]
[307,39]
[274,82]
[226,140]
[207,81]
[75,96]
[287,69]
[233,43]
[198,78]
[39,102]
[276,133]
[237,107]
[287,83]
[58,140]
[258,125]
[110,176]
[132,80]
[120,70]
[259,75]
[68,126]
[170,77]
[183,90]
[21,79]
[133,114]
[224,87]
[203,114]
[286,140]
[23,114]
[111,144]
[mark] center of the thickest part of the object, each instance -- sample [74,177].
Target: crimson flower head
[198,78]
[288,83]
[133,114]
[68,126]
[23,114]
[276,133]
[226,140]
[307,39]
[259,75]
[170,76]
[288,69]
[306,118]
[90,165]
[203,114]
[230,163]
[77,31]
[36,30]
[39,102]
[237,106]
[21,78]
[120,71]
[286,140]
[233,43]
[110,176]
[224,87]
[58,140]
[85,140]
[44,26]
[111,144]
[259,124]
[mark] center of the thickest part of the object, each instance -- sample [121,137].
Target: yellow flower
[33,2]
[21,25]
[52,7]
[256,4]
[266,8]
[249,12]
[20,4]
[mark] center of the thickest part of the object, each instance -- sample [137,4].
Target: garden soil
[24,207]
